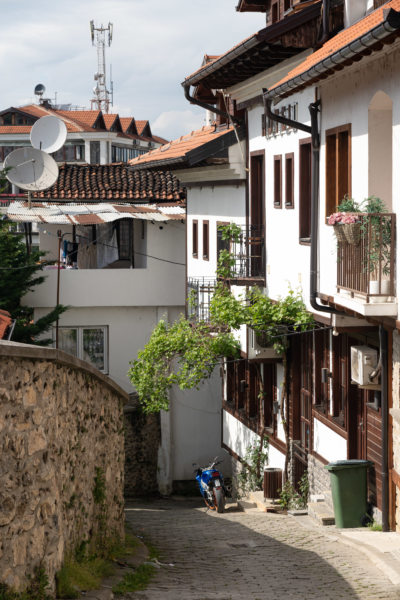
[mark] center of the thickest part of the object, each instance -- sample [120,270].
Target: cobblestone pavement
[249,556]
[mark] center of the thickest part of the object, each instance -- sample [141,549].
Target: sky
[156,44]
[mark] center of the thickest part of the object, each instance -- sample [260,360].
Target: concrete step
[321,512]
[256,500]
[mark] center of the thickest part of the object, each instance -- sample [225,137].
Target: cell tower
[103,98]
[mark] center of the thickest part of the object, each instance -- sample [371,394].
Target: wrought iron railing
[200,290]
[248,251]
[366,256]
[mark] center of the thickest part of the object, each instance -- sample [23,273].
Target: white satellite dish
[31,169]
[48,134]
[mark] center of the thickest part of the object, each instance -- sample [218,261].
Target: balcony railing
[249,255]
[200,290]
[366,257]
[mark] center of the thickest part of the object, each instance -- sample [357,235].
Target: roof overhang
[384,33]
[197,155]
[91,214]
[252,6]
[257,53]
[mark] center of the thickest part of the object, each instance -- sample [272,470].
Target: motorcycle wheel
[219,499]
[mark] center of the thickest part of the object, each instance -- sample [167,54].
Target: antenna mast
[101,99]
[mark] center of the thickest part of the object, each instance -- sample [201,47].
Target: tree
[185,354]
[19,273]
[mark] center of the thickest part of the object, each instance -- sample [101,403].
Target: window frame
[79,343]
[289,180]
[277,180]
[305,194]
[195,238]
[333,173]
[206,240]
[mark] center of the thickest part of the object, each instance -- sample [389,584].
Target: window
[195,239]
[338,166]
[278,181]
[125,239]
[289,180]
[95,153]
[87,343]
[205,240]
[305,191]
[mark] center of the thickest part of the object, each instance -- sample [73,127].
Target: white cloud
[156,44]
[174,123]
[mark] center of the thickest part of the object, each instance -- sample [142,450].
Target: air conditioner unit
[364,360]
[256,348]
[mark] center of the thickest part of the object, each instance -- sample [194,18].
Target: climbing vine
[185,354]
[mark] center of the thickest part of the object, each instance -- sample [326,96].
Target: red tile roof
[340,41]
[84,120]
[141,125]
[15,129]
[109,119]
[114,182]
[180,147]
[5,322]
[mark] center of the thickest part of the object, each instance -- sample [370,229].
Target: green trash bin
[349,491]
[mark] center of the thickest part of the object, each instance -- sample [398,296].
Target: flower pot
[339,232]
[352,233]
[374,289]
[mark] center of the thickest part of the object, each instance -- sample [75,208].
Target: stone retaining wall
[142,442]
[60,421]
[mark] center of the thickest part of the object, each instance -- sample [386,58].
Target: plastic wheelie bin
[349,491]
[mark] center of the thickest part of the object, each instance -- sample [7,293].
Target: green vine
[250,478]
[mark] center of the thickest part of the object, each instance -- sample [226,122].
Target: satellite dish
[39,89]
[48,134]
[31,169]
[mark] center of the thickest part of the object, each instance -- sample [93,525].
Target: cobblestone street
[249,556]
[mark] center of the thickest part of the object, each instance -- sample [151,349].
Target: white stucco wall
[196,428]
[238,437]
[329,444]
[215,204]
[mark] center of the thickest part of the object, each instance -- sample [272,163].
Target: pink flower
[349,218]
[335,218]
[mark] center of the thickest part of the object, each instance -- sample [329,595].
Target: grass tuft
[136,581]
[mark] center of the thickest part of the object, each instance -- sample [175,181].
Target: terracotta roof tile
[112,182]
[342,39]
[88,117]
[110,119]
[181,146]
[5,322]
[15,128]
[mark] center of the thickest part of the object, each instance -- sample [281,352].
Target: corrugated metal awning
[91,214]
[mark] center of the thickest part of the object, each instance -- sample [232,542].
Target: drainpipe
[383,343]
[210,107]
[316,143]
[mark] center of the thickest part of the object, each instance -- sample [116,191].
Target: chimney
[354,10]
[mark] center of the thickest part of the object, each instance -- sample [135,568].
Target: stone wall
[60,421]
[319,479]
[142,441]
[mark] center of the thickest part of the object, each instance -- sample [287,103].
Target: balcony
[366,265]
[200,290]
[248,252]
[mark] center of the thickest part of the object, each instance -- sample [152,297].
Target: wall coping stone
[31,352]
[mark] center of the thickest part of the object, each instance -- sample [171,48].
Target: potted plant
[346,221]
[377,229]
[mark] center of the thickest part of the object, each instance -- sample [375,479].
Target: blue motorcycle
[211,485]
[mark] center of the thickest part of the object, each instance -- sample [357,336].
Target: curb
[389,566]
